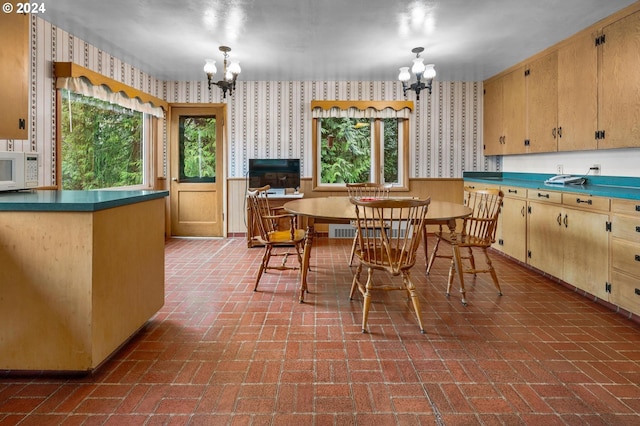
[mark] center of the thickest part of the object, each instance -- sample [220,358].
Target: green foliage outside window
[102,145]
[345,150]
[198,149]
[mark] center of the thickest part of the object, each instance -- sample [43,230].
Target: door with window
[197,178]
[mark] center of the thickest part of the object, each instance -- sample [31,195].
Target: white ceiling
[325,40]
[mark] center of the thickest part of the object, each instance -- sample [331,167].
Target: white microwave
[18,170]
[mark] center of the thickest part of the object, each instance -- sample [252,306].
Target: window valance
[89,83]
[361,109]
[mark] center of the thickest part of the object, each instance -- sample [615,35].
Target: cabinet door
[620,84]
[586,250]
[513,98]
[493,118]
[514,228]
[14,76]
[545,246]
[578,94]
[542,104]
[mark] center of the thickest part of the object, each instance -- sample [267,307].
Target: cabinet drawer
[626,227]
[480,185]
[514,191]
[625,257]
[630,207]
[585,201]
[542,195]
[625,291]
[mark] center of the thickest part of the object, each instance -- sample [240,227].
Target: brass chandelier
[230,72]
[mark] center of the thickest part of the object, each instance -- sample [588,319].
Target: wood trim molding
[362,105]
[69,69]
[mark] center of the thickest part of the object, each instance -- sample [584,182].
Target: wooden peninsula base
[76,285]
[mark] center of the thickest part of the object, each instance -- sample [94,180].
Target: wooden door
[514,106]
[493,118]
[578,94]
[197,175]
[586,251]
[14,76]
[514,228]
[620,84]
[545,243]
[542,104]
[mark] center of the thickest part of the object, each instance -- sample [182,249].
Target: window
[102,144]
[360,141]
[107,138]
[197,136]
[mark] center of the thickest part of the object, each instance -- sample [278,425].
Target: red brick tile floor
[217,353]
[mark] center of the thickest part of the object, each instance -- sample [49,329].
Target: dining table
[340,209]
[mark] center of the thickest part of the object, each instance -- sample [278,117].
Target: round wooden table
[327,209]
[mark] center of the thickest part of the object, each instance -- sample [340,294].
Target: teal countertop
[601,186]
[73,201]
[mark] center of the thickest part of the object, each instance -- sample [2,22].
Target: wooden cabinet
[14,76]
[542,104]
[619,113]
[511,237]
[544,231]
[578,93]
[625,254]
[504,114]
[570,243]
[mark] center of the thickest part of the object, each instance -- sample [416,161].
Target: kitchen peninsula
[80,273]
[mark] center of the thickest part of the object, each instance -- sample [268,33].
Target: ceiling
[325,40]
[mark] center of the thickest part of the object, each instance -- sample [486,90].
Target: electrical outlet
[595,169]
[559,169]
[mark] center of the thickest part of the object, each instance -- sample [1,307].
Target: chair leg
[472,260]
[411,288]
[356,278]
[433,255]
[263,265]
[456,266]
[367,300]
[353,249]
[492,271]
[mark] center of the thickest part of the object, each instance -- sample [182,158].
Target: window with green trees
[197,136]
[102,144]
[351,150]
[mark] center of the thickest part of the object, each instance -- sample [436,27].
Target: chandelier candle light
[428,72]
[230,72]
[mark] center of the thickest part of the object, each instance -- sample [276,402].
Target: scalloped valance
[66,70]
[361,109]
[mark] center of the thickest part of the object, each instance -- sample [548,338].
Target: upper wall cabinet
[14,76]
[578,93]
[541,78]
[504,114]
[620,84]
[582,94]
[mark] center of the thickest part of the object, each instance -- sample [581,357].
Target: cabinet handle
[559,219]
[559,132]
[553,132]
[579,201]
[522,213]
[566,220]
[514,191]
[637,228]
[543,195]
[637,291]
[638,208]
[637,257]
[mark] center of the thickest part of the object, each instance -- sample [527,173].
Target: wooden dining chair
[478,231]
[389,234]
[277,231]
[365,190]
